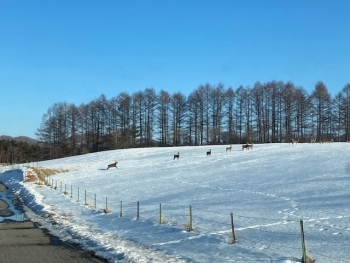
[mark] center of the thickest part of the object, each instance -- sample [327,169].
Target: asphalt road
[25,242]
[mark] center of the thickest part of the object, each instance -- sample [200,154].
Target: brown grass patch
[40,174]
[106,211]
[309,260]
[30,177]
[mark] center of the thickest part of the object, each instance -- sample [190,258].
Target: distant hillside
[19,139]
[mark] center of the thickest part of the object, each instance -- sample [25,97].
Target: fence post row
[190,222]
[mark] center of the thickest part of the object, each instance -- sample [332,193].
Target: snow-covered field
[268,189]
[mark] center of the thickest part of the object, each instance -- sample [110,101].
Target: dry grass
[40,174]
[106,211]
[309,260]
[163,220]
[232,240]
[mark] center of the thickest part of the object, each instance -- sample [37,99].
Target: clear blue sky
[74,51]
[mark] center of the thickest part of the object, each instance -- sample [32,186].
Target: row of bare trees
[211,114]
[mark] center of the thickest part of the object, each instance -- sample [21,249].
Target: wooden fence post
[190,227]
[71,191]
[233,230]
[138,210]
[121,209]
[303,241]
[160,213]
[78,194]
[95,200]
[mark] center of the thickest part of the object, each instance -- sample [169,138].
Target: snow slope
[268,189]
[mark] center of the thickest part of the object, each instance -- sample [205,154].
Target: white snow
[268,189]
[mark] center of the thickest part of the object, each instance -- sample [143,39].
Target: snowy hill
[268,189]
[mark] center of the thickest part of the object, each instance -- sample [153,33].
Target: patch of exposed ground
[40,174]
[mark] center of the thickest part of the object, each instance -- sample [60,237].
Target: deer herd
[312,140]
[247,146]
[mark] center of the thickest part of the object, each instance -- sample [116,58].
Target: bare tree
[241,95]
[217,102]
[230,106]
[346,110]
[178,107]
[321,104]
[124,124]
[164,100]
[150,106]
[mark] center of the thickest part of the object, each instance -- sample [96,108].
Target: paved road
[24,242]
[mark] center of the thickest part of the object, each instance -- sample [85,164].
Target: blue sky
[74,51]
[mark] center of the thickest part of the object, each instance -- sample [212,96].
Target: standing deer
[112,165]
[294,141]
[313,140]
[177,156]
[247,146]
[209,152]
[229,148]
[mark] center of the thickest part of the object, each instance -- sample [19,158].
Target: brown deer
[177,156]
[294,141]
[209,152]
[247,146]
[229,148]
[112,165]
[313,140]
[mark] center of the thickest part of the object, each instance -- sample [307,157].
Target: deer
[313,140]
[209,152]
[112,165]
[229,148]
[294,141]
[247,146]
[177,156]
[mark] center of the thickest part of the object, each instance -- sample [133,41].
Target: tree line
[274,112]
[13,151]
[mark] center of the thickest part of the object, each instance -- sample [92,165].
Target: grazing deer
[177,156]
[112,165]
[294,141]
[247,146]
[209,152]
[229,148]
[313,140]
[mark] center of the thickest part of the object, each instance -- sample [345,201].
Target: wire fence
[242,229]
